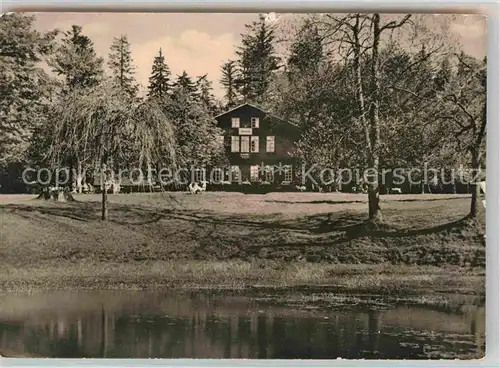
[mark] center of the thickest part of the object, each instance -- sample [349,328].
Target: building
[259,150]
[259,146]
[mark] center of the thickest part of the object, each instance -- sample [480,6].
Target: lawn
[232,240]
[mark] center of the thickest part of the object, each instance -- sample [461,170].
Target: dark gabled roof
[295,125]
[237,107]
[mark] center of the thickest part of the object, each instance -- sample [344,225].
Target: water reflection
[146,325]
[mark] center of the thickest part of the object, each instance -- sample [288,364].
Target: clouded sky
[198,43]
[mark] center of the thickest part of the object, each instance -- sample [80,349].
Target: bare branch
[393,24]
[454,98]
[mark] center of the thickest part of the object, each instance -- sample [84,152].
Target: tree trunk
[359,86]
[374,160]
[104,213]
[474,204]
[425,179]
[371,157]
[71,179]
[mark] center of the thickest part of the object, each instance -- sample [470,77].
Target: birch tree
[358,35]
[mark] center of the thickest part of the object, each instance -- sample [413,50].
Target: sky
[198,42]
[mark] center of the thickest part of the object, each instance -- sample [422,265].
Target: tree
[120,63]
[443,76]
[257,60]
[185,84]
[306,51]
[228,80]
[100,121]
[456,103]
[464,105]
[195,129]
[24,92]
[411,137]
[309,84]
[159,81]
[76,60]
[360,34]
[205,93]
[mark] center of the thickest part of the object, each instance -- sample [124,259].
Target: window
[235,143]
[270,144]
[235,173]
[245,144]
[288,174]
[255,122]
[199,175]
[254,173]
[235,122]
[269,174]
[217,175]
[254,144]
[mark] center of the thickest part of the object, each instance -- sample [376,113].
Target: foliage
[205,93]
[104,124]
[257,61]
[306,52]
[184,84]
[229,78]
[120,63]
[24,86]
[76,60]
[195,129]
[159,81]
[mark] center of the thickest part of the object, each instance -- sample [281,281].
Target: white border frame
[489,7]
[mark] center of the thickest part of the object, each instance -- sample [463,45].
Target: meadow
[304,241]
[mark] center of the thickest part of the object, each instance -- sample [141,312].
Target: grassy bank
[236,241]
[291,284]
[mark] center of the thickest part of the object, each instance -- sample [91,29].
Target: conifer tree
[205,92]
[159,81]
[228,81]
[76,60]
[185,84]
[306,52]
[120,63]
[257,60]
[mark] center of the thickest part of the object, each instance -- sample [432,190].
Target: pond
[203,325]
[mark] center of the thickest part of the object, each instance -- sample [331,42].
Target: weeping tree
[104,124]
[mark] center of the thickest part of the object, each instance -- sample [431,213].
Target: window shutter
[255,144]
[254,122]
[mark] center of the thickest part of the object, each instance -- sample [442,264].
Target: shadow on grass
[366,201]
[428,199]
[315,202]
[338,226]
[180,233]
